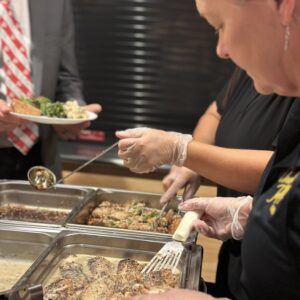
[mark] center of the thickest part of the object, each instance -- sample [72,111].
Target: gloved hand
[176,294]
[221,217]
[178,178]
[144,150]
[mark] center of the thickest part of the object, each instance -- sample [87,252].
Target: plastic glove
[221,217]
[144,150]
[178,178]
[176,294]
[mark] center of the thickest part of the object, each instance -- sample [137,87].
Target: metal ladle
[42,178]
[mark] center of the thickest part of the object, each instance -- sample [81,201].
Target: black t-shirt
[271,244]
[249,120]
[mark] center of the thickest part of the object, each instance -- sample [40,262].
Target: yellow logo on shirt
[283,186]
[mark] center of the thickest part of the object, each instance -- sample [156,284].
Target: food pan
[21,204]
[79,218]
[82,243]
[18,251]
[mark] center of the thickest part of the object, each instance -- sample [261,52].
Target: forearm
[237,169]
[206,128]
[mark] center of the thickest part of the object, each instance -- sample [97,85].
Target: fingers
[204,229]
[175,294]
[169,194]
[94,107]
[168,295]
[68,132]
[7,120]
[168,180]
[191,189]
[139,166]
[131,133]
[188,192]
[126,146]
[4,108]
[198,204]
[148,297]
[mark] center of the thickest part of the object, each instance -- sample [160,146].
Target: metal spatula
[169,255]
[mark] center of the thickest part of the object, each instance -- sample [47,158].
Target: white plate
[55,121]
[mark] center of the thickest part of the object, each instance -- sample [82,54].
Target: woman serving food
[261,36]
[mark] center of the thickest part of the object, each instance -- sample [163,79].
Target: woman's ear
[286,11]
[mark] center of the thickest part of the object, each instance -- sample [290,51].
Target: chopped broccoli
[55,109]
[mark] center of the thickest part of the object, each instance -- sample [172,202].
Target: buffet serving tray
[78,218]
[101,244]
[18,251]
[57,203]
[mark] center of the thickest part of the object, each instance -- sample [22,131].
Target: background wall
[148,62]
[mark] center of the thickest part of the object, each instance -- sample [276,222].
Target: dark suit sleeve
[69,85]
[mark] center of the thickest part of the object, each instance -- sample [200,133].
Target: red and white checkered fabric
[17,76]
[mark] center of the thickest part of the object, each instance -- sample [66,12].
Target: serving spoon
[43,178]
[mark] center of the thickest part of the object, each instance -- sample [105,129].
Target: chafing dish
[22,205]
[126,246]
[79,217]
[18,251]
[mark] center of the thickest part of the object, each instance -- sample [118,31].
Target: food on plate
[134,216]
[95,277]
[42,106]
[74,111]
[23,107]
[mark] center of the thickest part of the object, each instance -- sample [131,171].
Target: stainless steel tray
[71,242]
[78,219]
[19,250]
[63,198]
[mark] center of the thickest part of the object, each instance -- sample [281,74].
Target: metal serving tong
[42,178]
[169,255]
[163,209]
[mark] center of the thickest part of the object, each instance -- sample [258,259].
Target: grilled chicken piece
[128,279]
[72,281]
[105,204]
[100,289]
[74,271]
[60,289]
[160,279]
[103,281]
[100,267]
[129,267]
